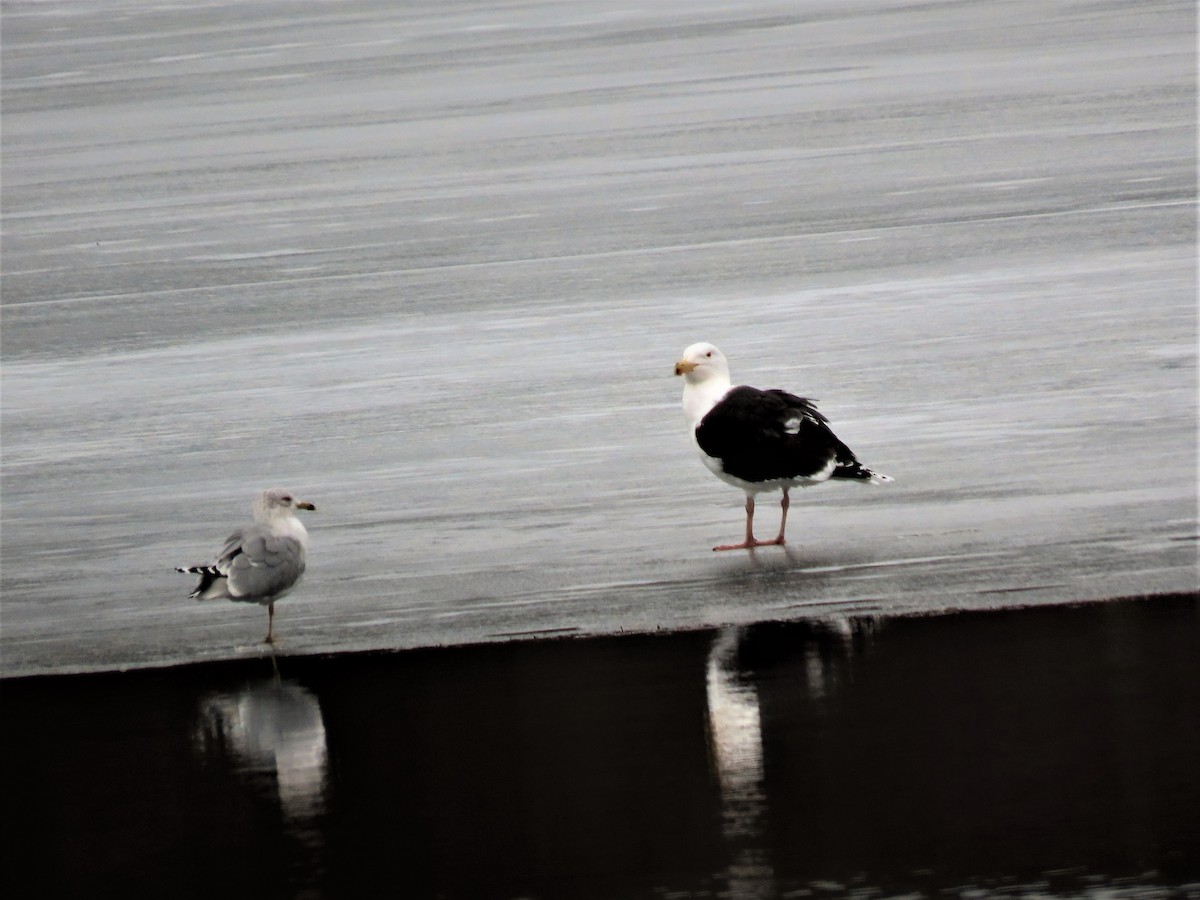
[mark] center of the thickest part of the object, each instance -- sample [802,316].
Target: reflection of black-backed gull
[261,562]
[760,440]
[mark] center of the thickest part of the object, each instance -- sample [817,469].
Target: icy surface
[447,256]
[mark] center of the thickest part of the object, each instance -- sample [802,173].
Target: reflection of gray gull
[760,440]
[275,728]
[261,562]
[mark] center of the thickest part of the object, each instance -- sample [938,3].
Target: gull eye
[709,354]
[286,499]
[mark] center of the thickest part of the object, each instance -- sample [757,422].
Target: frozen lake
[430,268]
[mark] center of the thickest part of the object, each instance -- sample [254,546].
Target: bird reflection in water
[271,734]
[823,652]
[829,653]
[735,729]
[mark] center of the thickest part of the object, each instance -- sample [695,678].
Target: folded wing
[772,435]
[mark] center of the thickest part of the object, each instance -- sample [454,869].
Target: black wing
[769,435]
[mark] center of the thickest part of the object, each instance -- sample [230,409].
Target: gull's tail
[209,578]
[853,470]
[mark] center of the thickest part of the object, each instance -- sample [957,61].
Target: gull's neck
[282,522]
[290,526]
[701,396]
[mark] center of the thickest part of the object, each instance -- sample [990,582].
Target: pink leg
[783,508]
[270,623]
[750,543]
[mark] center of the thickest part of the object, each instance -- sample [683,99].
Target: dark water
[1048,752]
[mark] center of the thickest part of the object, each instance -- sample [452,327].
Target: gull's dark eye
[287,499]
[709,354]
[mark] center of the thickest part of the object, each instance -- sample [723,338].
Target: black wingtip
[856,471]
[208,574]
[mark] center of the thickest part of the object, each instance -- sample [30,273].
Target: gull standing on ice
[760,440]
[261,562]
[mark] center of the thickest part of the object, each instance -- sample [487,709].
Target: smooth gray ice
[431,266]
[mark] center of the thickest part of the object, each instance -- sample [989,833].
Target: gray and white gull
[259,563]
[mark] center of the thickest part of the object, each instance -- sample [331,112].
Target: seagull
[261,562]
[760,440]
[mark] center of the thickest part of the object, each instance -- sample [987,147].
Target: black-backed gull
[760,440]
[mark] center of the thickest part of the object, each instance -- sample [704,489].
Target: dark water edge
[1048,751]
